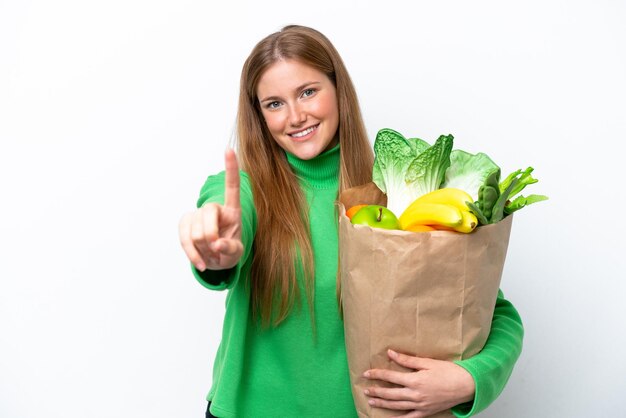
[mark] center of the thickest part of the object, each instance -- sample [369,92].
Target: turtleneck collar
[321,172]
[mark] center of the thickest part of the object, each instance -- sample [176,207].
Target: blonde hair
[283,233]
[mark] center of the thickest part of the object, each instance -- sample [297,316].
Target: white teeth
[303,133]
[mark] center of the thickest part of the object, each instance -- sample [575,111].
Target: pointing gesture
[211,235]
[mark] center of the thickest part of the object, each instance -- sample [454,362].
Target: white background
[113,113]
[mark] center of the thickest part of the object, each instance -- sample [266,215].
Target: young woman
[268,234]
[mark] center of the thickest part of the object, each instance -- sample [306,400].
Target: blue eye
[308,92]
[273,105]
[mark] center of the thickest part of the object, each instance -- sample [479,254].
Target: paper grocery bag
[425,294]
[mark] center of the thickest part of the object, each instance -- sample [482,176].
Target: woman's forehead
[287,76]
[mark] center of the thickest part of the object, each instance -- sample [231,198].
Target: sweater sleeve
[493,365]
[213,192]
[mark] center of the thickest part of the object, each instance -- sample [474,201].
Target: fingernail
[366,374]
[371,402]
[392,353]
[367,392]
[200,266]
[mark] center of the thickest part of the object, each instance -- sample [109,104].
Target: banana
[469,222]
[420,228]
[427,210]
[430,214]
[447,195]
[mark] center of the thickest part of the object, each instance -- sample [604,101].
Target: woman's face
[299,105]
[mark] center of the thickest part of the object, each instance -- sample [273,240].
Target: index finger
[231,184]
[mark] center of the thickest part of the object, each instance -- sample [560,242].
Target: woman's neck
[320,172]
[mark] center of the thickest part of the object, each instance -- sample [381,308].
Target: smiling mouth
[304,132]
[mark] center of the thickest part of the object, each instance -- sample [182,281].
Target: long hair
[283,235]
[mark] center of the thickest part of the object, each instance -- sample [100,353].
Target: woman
[268,235]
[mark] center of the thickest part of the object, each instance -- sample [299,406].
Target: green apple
[376,216]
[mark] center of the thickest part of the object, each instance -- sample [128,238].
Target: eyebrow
[300,87]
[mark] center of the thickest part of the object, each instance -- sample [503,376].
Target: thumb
[410,362]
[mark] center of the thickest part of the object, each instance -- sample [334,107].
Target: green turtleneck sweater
[286,371]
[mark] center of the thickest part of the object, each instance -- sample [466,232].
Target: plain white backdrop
[113,113]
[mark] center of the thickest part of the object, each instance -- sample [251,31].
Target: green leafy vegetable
[469,171]
[489,210]
[521,201]
[393,155]
[404,169]
[428,170]
[524,178]
[498,209]
[419,145]
[489,192]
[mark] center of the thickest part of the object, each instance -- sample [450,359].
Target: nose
[297,115]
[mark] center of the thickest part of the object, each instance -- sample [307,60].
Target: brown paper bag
[425,294]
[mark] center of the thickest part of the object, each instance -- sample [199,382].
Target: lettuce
[404,169]
[427,171]
[468,171]
[393,155]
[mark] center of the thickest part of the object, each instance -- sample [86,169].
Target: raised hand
[211,235]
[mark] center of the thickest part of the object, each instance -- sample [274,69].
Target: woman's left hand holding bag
[432,386]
